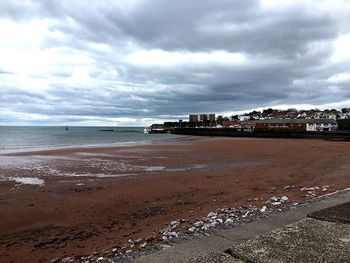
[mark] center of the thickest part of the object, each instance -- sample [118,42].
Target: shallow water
[12,137]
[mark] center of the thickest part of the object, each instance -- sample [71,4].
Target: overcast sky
[135,62]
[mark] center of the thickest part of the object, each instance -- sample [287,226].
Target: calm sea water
[41,137]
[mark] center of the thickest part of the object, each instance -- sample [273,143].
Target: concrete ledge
[308,240]
[215,258]
[339,213]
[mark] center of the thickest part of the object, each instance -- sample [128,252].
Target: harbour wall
[229,132]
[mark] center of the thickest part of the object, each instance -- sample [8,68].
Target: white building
[321,125]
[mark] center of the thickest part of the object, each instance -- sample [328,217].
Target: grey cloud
[4,72]
[282,47]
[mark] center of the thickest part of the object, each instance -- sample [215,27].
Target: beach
[74,201]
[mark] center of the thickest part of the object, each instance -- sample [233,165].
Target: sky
[137,62]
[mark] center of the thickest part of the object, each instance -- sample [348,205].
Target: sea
[38,137]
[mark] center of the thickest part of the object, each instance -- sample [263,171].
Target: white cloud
[339,78]
[157,57]
[341,48]
[99,47]
[80,76]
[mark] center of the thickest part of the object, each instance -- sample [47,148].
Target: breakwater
[229,132]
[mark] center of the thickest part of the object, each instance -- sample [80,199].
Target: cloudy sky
[134,62]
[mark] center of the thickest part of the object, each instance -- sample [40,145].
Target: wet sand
[95,199]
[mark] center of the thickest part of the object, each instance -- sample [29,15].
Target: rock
[192,229]
[198,224]
[134,242]
[211,214]
[205,227]
[214,224]
[284,199]
[173,234]
[219,220]
[256,199]
[229,221]
[173,223]
[274,199]
[263,209]
[310,188]
[143,245]
[276,203]
[125,247]
[287,187]
[246,214]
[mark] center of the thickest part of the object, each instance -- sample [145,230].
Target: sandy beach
[77,201]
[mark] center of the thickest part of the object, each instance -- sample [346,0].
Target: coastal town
[268,120]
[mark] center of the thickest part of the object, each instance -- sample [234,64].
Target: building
[296,125]
[193,118]
[232,124]
[201,117]
[322,125]
[239,125]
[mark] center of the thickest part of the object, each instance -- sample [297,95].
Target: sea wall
[229,132]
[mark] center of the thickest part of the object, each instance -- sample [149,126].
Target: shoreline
[31,149]
[75,215]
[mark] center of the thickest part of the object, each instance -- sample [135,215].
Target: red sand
[72,215]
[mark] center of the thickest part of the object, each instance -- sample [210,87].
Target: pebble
[263,209]
[274,199]
[211,214]
[143,245]
[219,220]
[229,221]
[192,229]
[310,188]
[134,242]
[198,223]
[205,227]
[276,203]
[246,214]
[284,199]
[173,223]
